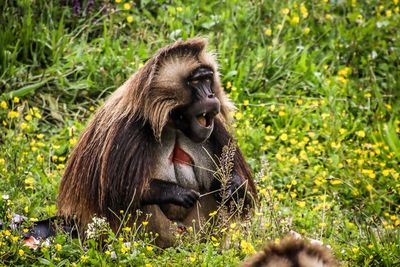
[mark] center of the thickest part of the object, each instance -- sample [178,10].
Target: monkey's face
[196,119]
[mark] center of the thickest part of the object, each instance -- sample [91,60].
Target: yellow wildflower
[342,80]
[149,248]
[212,214]
[301,204]
[23,126]
[304,11]
[127,6]
[124,249]
[336,182]
[284,137]
[360,133]
[344,72]
[369,187]
[285,11]
[40,158]
[129,19]
[272,108]
[58,247]
[16,99]
[239,115]
[13,114]
[37,115]
[3,104]
[179,9]
[21,252]
[29,182]
[306,30]
[84,258]
[268,32]
[295,20]
[303,155]
[118,1]
[73,141]
[126,229]
[247,247]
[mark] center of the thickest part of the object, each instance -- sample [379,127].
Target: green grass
[317,90]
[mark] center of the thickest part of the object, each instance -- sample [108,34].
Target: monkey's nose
[212,105]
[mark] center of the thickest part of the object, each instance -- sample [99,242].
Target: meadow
[316,85]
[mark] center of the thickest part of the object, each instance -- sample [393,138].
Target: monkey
[153,145]
[291,252]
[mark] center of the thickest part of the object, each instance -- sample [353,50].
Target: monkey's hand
[236,188]
[162,192]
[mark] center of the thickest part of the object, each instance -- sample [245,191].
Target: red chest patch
[178,155]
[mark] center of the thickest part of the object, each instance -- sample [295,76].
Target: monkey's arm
[236,189]
[162,192]
[241,184]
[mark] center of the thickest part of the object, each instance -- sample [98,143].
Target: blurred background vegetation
[317,88]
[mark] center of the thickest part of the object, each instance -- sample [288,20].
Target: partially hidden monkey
[292,252]
[153,146]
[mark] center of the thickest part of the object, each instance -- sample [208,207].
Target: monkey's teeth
[202,120]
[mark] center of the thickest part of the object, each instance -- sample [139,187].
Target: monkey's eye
[195,81]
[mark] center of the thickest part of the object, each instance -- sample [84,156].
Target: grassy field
[317,87]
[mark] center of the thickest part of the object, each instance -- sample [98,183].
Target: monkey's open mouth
[205,119]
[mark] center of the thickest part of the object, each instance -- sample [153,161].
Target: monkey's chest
[184,162]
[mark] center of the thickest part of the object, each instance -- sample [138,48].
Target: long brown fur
[292,252]
[111,165]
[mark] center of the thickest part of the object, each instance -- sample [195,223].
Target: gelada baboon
[153,146]
[291,252]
